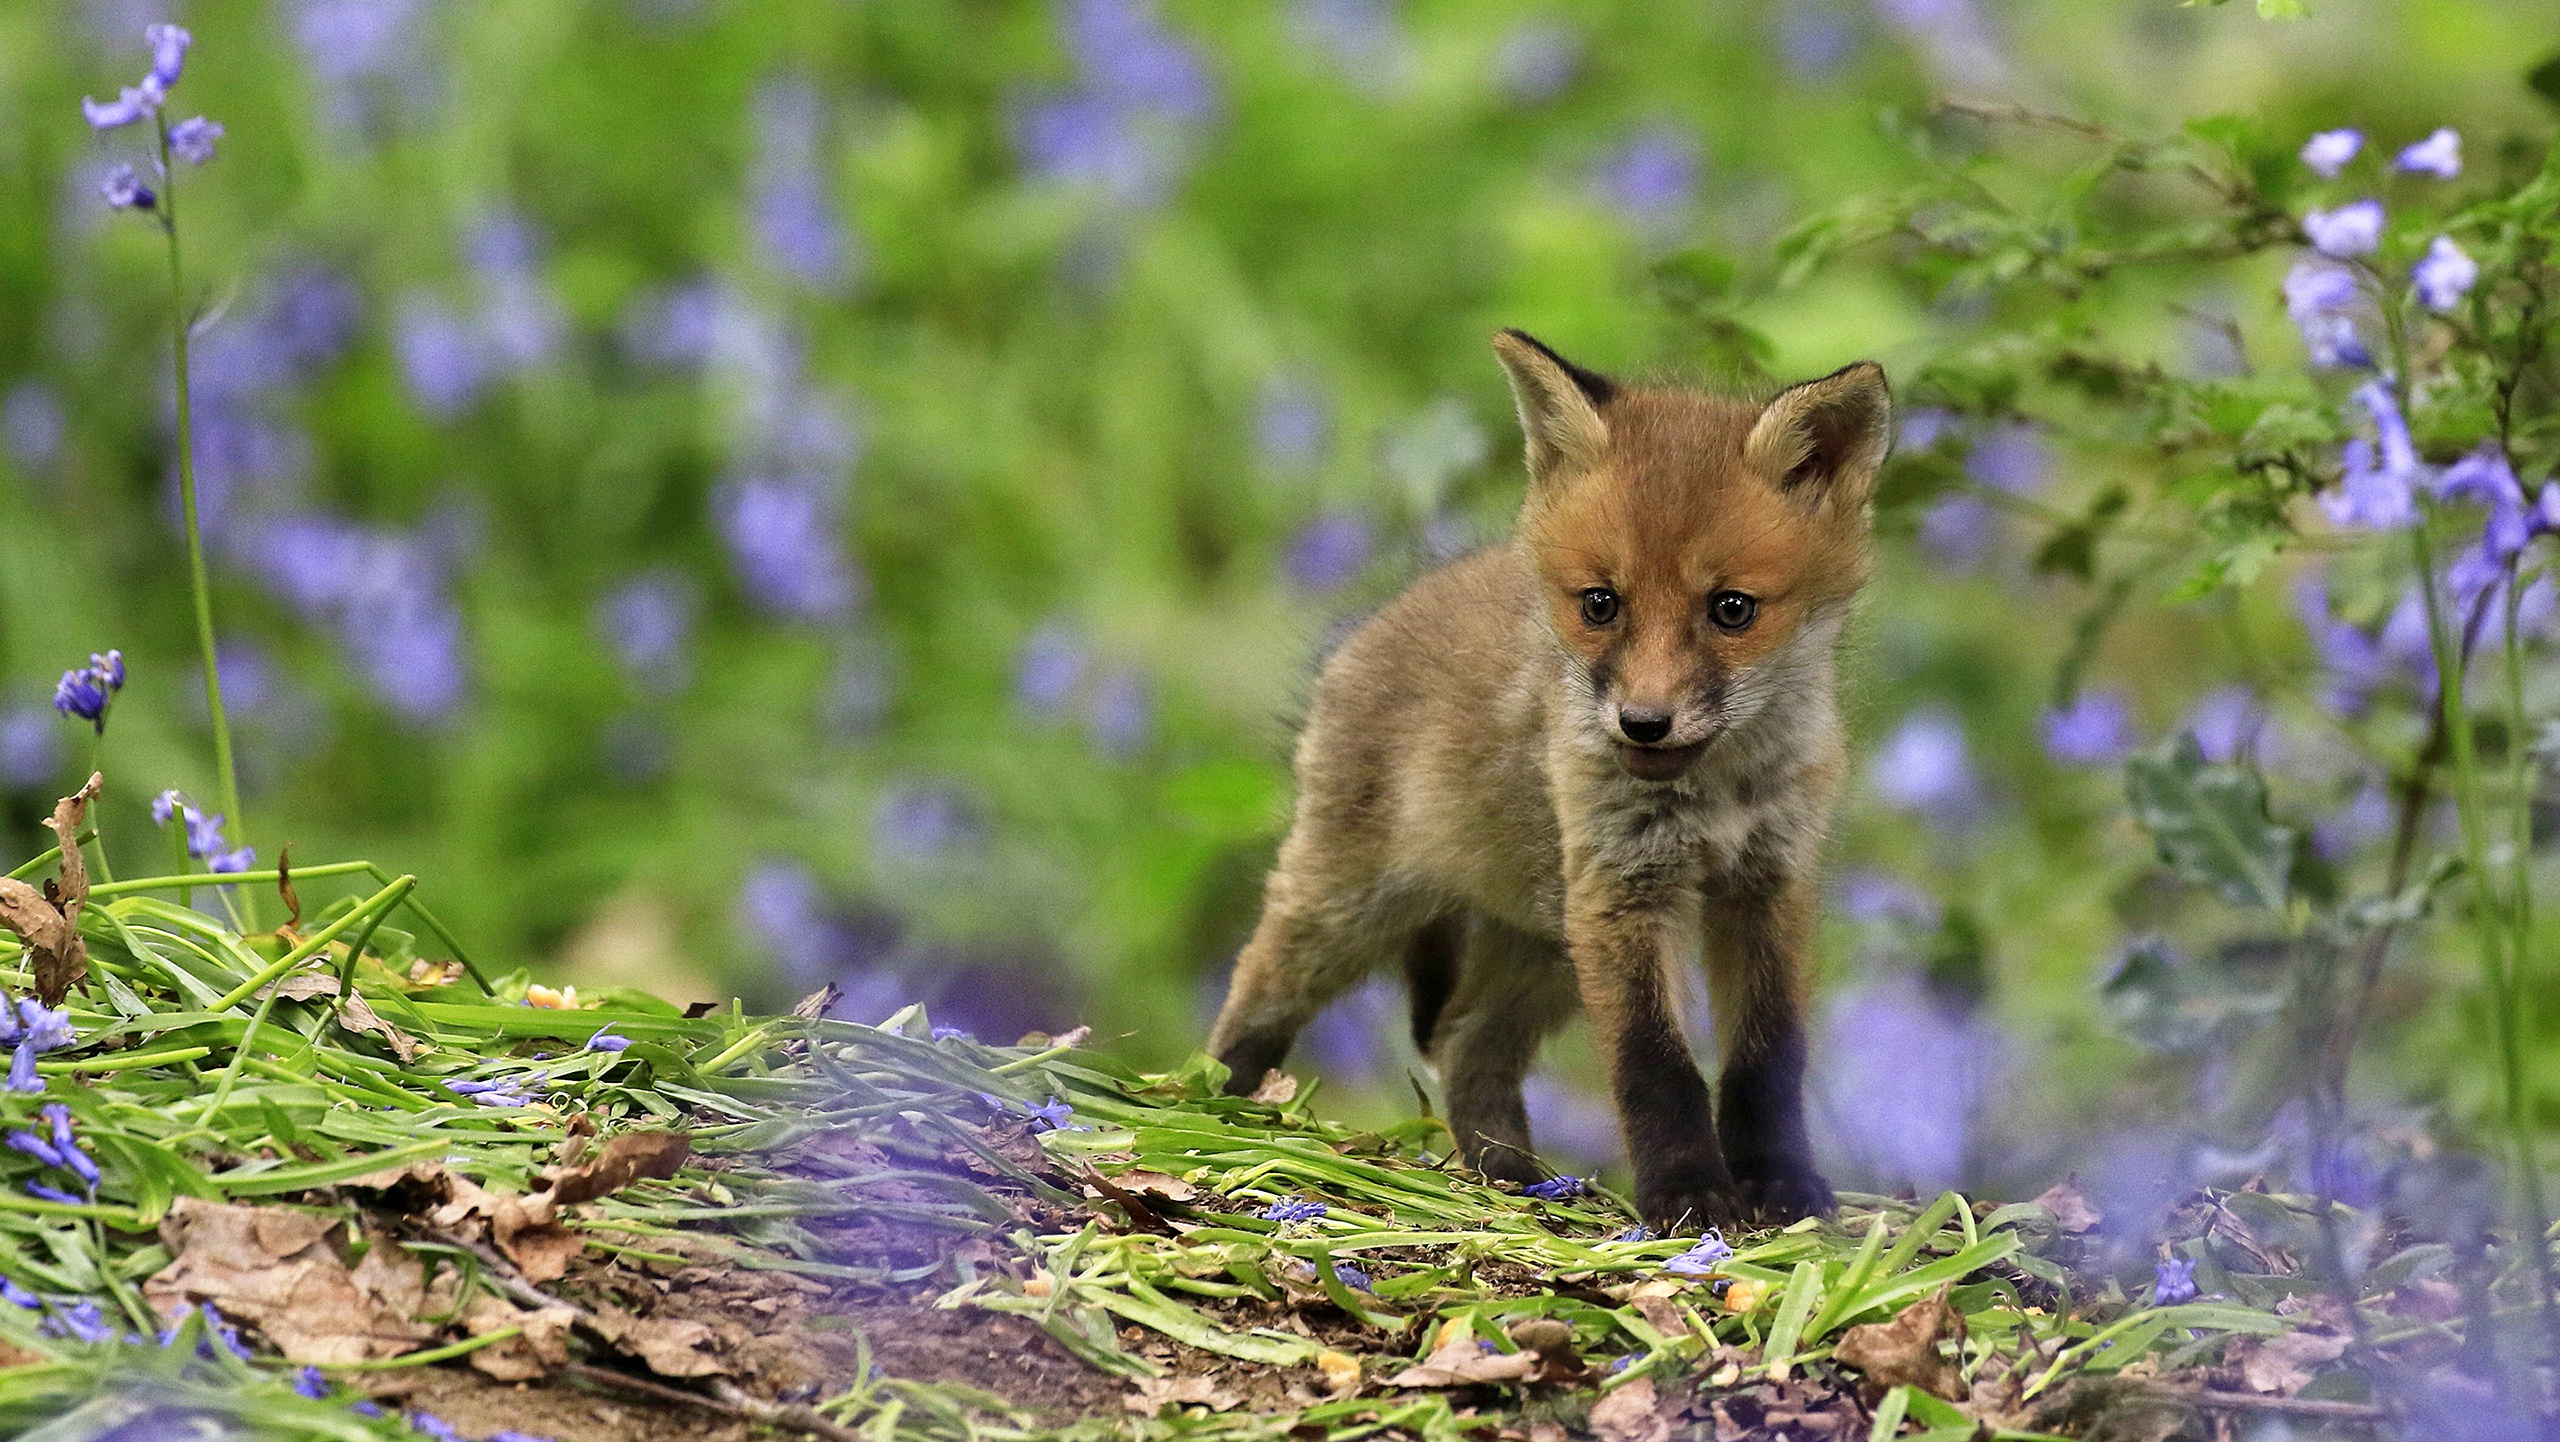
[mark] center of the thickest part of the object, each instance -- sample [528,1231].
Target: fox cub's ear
[1824,440]
[1559,404]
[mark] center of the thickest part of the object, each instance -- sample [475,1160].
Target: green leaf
[2210,822]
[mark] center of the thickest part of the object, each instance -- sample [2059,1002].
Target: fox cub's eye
[1599,606]
[1731,609]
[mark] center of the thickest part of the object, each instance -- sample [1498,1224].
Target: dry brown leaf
[284,888]
[1905,1350]
[2071,1211]
[2284,1365]
[357,1015]
[1632,1413]
[1277,1089]
[1551,1342]
[817,1004]
[1663,1313]
[672,1347]
[273,1268]
[626,1158]
[1461,1363]
[48,921]
[1154,1394]
[542,1348]
[1154,1186]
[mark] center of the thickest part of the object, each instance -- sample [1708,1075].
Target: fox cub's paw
[1787,1194]
[1683,1204]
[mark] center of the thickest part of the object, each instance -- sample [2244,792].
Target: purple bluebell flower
[1924,767]
[1292,424]
[1352,1277]
[793,216]
[500,1099]
[1702,1259]
[1123,49]
[922,823]
[46,1028]
[1815,41]
[192,140]
[384,594]
[365,1407]
[1912,1076]
[2349,230]
[168,53]
[2226,723]
[1050,669]
[1556,1189]
[472,1088]
[606,1041]
[1120,715]
[308,1382]
[2173,1280]
[204,834]
[2011,458]
[1871,897]
[168,804]
[124,190]
[18,1296]
[35,1146]
[509,1434]
[1652,177]
[2096,729]
[1636,1233]
[2328,152]
[648,621]
[44,1192]
[28,753]
[80,696]
[951,1033]
[81,1321]
[2482,476]
[433,1426]
[1293,1209]
[1051,1116]
[1329,552]
[781,532]
[33,425]
[2439,155]
[442,355]
[1085,139]
[136,103]
[2378,493]
[2444,275]
[1537,59]
[2322,298]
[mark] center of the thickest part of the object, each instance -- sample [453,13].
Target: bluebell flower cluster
[1054,673]
[791,209]
[1925,767]
[1293,1209]
[29,756]
[1651,178]
[509,1093]
[142,101]
[384,594]
[204,833]
[451,353]
[2324,298]
[2324,302]
[1925,1065]
[1329,552]
[2095,729]
[606,1041]
[57,1149]
[2328,152]
[85,692]
[2173,1280]
[1354,1278]
[648,621]
[1126,127]
[1053,1115]
[2439,155]
[1702,1259]
[1556,1189]
[1537,59]
[31,1029]
[217,1332]
[2347,231]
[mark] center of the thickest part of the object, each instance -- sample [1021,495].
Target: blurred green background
[738,495]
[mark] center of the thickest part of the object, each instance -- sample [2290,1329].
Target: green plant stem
[98,767]
[227,775]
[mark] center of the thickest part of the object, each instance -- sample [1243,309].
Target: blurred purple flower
[675,326]
[23,1077]
[2011,458]
[33,425]
[1120,715]
[1872,897]
[2328,152]
[1351,1276]
[1924,767]
[2483,477]
[2439,155]
[2367,817]
[1054,1115]
[192,140]
[2096,729]
[648,620]
[1329,552]
[124,190]
[2349,230]
[797,228]
[136,103]
[1571,1125]
[29,753]
[2173,1281]
[2323,299]
[1120,130]
[1906,1081]
[1556,1189]
[308,1382]
[782,536]
[2444,275]
[168,53]
[46,1028]
[2378,494]
[921,824]
[1537,59]
[1083,139]
[1366,39]
[1958,530]
[1292,424]
[1050,669]
[1704,1258]
[86,692]
[1652,177]
[2226,723]
[606,1041]
[1349,1039]
[1124,51]
[384,595]
[442,355]
[1815,41]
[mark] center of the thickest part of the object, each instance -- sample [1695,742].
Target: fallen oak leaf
[672,1347]
[2071,1210]
[1461,1363]
[626,1157]
[541,1346]
[273,1267]
[2283,1366]
[1905,1350]
[1631,1413]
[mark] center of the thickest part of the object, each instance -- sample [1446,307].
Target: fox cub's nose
[1643,727]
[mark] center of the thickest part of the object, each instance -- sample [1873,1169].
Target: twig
[2291,1406]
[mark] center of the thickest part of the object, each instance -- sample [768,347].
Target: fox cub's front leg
[1758,927]
[1618,931]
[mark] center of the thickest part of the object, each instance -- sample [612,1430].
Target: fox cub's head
[1697,552]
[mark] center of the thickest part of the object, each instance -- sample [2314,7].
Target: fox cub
[1552,770]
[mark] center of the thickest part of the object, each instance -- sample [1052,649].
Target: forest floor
[342,1190]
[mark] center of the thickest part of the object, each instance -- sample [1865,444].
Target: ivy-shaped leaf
[2211,823]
